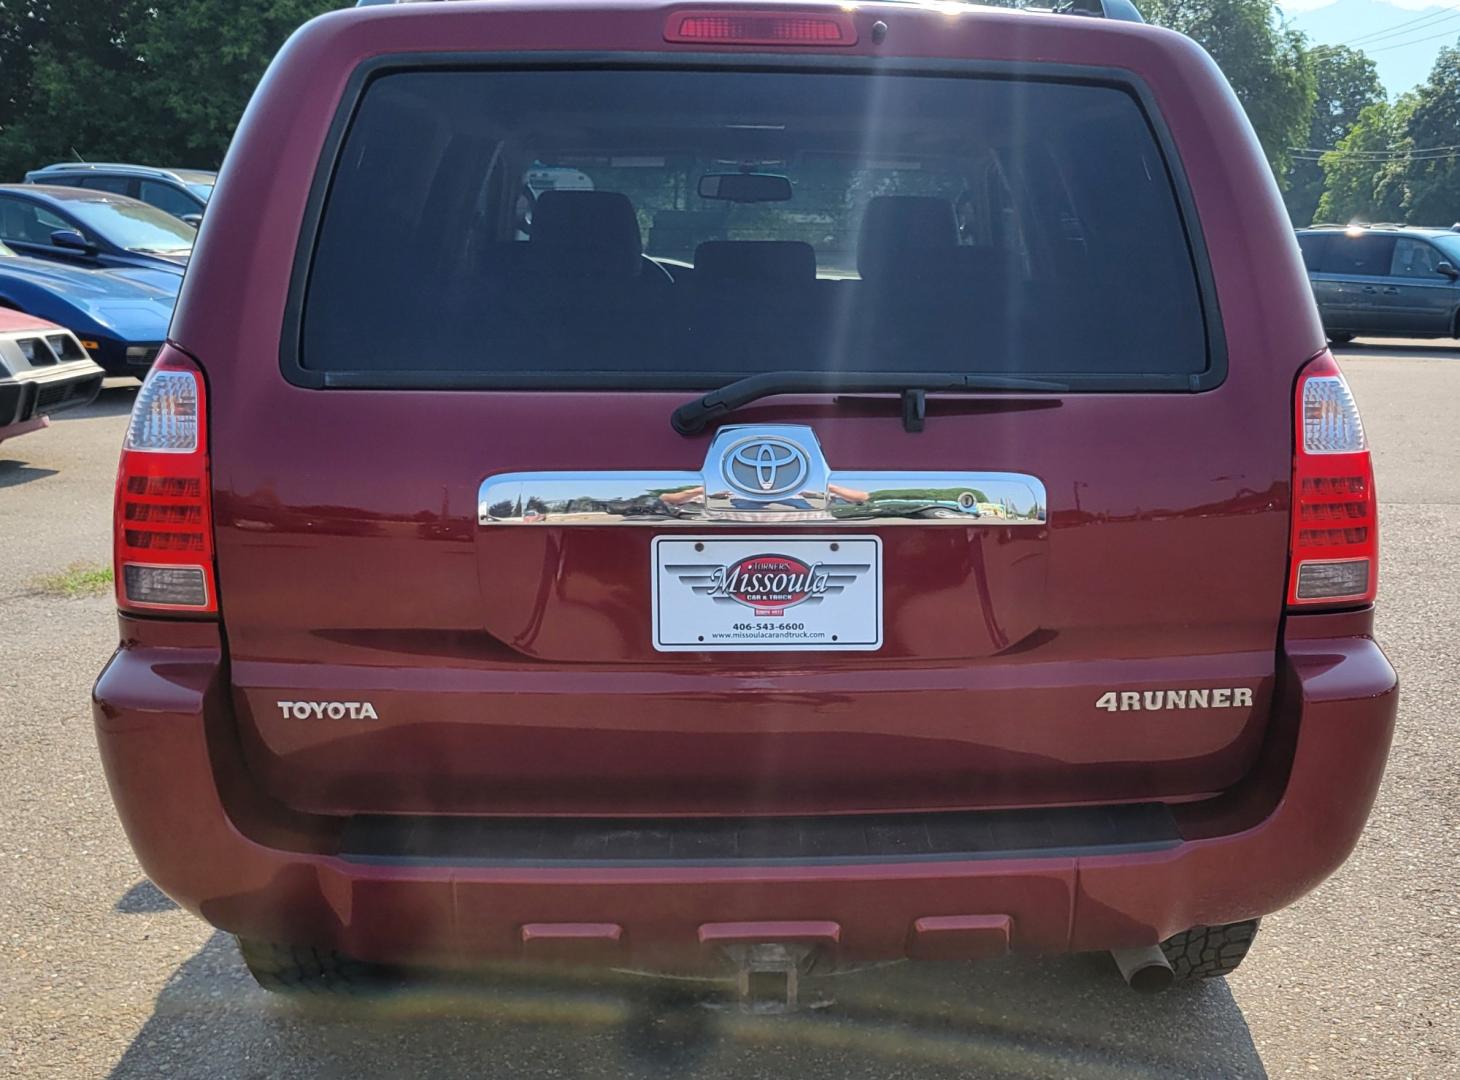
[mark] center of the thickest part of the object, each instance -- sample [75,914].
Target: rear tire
[301,969]
[1209,952]
[1340,337]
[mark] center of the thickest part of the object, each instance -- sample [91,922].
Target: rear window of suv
[679,228]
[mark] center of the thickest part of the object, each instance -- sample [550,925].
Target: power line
[1364,43]
[1383,156]
[1404,27]
[1393,151]
[1453,32]
[1398,159]
[1379,155]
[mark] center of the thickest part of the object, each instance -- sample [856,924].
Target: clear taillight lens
[1335,533]
[166,414]
[163,528]
[1331,423]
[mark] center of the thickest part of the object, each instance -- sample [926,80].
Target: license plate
[767,593]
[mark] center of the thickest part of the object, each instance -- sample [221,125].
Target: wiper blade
[692,417]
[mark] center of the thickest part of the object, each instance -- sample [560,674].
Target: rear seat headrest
[585,231]
[755,261]
[898,229]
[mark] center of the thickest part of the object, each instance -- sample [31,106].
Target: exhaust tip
[1145,970]
[1152,979]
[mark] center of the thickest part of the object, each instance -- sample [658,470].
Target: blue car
[92,228]
[120,315]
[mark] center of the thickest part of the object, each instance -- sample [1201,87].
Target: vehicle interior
[729,224]
[27,222]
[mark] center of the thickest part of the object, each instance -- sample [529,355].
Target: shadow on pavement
[1065,1016]
[14,473]
[1439,348]
[145,898]
[115,399]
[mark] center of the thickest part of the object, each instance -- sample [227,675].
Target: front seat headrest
[589,232]
[899,230]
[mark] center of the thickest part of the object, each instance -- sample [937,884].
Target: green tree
[204,58]
[65,73]
[1345,83]
[1262,59]
[18,29]
[1432,177]
[158,81]
[1364,178]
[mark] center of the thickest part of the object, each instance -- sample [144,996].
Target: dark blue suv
[1384,280]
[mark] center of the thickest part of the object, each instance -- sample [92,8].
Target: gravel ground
[101,975]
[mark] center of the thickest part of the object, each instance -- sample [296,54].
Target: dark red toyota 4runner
[743,487]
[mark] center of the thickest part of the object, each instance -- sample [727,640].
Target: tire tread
[303,969]
[1209,952]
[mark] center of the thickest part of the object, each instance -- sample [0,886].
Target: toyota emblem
[765,467]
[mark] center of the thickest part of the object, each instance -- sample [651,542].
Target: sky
[1402,37]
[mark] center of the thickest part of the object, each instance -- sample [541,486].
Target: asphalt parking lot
[101,976]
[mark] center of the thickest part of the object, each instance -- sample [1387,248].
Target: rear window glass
[1364,255]
[1314,247]
[117,185]
[684,227]
[167,198]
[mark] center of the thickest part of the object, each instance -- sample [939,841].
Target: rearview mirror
[69,238]
[193,219]
[1448,269]
[745,187]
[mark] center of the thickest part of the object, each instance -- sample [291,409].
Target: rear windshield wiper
[692,417]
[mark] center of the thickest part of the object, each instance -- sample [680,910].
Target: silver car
[1384,280]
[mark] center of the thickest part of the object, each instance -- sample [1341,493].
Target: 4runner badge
[1234,697]
[333,710]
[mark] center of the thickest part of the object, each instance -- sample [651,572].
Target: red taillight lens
[1335,535]
[163,523]
[758,28]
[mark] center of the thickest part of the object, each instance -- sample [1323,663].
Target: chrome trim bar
[678,498]
[762,474]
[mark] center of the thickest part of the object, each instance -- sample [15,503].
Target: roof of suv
[180,175]
[1123,10]
[1385,227]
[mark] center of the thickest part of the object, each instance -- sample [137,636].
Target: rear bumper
[166,744]
[24,427]
[27,399]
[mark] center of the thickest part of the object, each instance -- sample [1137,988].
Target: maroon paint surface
[512,669]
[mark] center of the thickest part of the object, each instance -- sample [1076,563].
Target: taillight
[163,527]
[1335,535]
[761,28]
